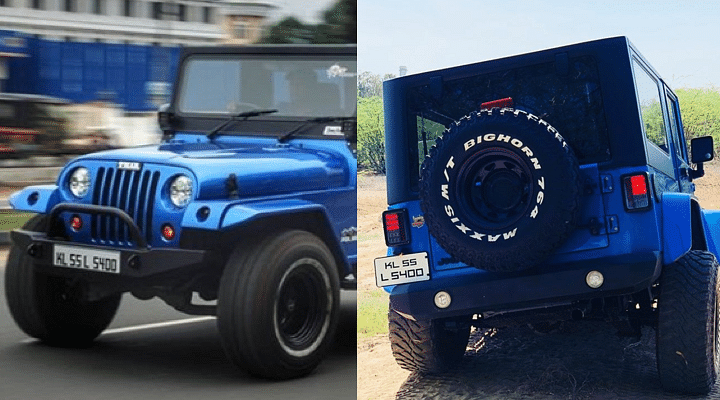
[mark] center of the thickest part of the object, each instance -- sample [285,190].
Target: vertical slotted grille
[130,191]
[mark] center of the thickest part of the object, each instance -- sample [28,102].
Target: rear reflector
[395,227]
[637,196]
[501,103]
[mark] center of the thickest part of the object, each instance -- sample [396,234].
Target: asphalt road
[151,351]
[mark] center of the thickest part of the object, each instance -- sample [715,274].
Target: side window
[650,107]
[678,143]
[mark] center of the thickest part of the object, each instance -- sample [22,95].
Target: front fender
[38,199]
[246,213]
[223,215]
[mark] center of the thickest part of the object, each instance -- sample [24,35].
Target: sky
[680,39]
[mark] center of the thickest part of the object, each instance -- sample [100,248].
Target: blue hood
[261,168]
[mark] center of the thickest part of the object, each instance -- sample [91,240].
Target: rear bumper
[475,291]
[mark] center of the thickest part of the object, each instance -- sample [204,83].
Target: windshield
[294,87]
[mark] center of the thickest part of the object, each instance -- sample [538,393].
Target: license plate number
[86,259]
[406,268]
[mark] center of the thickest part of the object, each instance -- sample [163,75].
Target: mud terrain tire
[278,305]
[427,346]
[687,334]
[46,307]
[500,190]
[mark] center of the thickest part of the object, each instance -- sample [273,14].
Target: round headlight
[80,182]
[181,191]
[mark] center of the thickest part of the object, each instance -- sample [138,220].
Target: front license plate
[401,269]
[87,259]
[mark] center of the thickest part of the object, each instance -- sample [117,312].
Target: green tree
[370,84]
[700,110]
[339,26]
[371,134]
[288,31]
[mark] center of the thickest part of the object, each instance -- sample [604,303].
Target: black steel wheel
[278,305]
[48,307]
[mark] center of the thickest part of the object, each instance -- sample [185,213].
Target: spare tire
[500,190]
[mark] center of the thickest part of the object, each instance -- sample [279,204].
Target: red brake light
[637,196]
[501,103]
[396,229]
[639,187]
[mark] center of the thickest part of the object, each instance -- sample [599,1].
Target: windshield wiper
[319,120]
[237,117]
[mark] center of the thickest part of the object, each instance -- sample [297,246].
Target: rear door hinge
[611,224]
[606,182]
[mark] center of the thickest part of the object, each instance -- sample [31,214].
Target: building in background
[122,51]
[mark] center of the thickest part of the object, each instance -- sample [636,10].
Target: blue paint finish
[630,247]
[711,222]
[676,227]
[37,199]
[306,174]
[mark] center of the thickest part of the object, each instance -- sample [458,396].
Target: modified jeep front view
[250,200]
[545,187]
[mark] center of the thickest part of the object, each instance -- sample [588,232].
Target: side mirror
[165,118]
[349,128]
[701,150]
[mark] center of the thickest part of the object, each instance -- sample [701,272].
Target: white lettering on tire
[525,150]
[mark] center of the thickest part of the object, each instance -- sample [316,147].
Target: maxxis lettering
[533,162]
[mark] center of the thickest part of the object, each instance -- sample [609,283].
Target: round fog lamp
[594,279]
[442,299]
[76,222]
[168,232]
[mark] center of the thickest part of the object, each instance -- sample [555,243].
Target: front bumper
[134,263]
[475,291]
[137,262]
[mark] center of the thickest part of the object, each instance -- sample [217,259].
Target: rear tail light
[637,192]
[396,227]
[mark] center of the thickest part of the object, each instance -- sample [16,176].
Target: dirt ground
[580,361]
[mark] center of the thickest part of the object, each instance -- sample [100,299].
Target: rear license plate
[406,268]
[86,259]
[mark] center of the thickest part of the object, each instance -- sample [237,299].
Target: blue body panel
[303,175]
[628,246]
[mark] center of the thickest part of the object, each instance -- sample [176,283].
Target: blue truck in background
[550,186]
[249,201]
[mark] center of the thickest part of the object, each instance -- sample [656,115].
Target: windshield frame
[284,53]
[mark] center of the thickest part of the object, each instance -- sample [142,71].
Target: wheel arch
[679,236]
[311,219]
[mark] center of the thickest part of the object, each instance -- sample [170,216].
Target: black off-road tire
[687,334]
[46,307]
[500,190]
[427,346]
[278,305]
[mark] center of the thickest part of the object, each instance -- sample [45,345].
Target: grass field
[10,220]
[372,313]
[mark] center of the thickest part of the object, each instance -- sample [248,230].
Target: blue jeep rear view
[545,187]
[250,200]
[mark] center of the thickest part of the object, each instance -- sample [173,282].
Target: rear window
[570,101]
